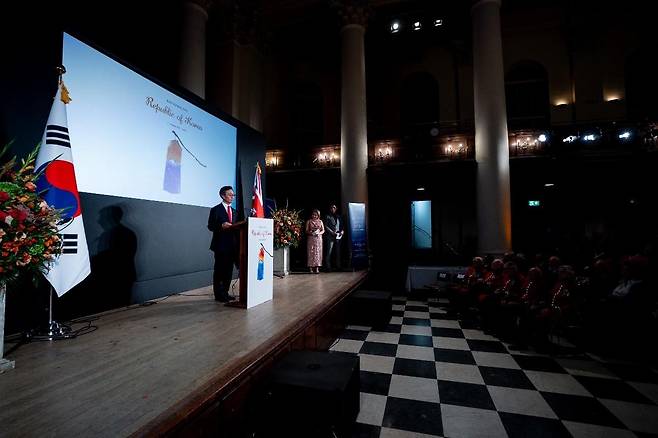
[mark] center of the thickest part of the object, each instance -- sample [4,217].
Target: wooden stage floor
[148,366]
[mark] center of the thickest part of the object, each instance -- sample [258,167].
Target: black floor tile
[399,302]
[379,348]
[465,394]
[416,308]
[505,377]
[633,373]
[357,335]
[581,409]
[390,328]
[523,426]
[447,332]
[453,356]
[374,383]
[416,321]
[538,363]
[415,368]
[612,389]
[418,340]
[397,312]
[444,316]
[488,346]
[360,430]
[413,416]
[469,324]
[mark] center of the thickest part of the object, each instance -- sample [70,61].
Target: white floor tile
[348,346]
[387,338]
[589,368]
[396,433]
[462,422]
[414,314]
[477,334]
[445,323]
[498,360]
[555,382]
[414,352]
[416,330]
[450,343]
[377,364]
[457,372]
[372,408]
[520,401]
[414,388]
[396,320]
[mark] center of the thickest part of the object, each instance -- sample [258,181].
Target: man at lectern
[224,243]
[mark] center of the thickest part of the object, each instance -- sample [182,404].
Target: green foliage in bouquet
[29,239]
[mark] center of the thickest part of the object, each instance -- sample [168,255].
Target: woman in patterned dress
[314,232]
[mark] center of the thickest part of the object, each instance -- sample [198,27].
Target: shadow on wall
[113,266]
[112,270]
[108,287]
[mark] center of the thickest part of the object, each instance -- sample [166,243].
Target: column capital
[204,5]
[352,11]
[246,19]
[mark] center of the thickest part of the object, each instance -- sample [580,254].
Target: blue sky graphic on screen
[132,138]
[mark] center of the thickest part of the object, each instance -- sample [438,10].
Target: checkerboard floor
[426,375]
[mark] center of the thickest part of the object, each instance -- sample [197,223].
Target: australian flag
[59,189]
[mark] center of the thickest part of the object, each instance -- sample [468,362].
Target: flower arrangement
[29,238]
[287,227]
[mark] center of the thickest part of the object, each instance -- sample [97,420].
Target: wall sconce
[524,143]
[272,160]
[384,153]
[325,158]
[455,151]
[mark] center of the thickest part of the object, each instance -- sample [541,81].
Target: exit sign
[534,203]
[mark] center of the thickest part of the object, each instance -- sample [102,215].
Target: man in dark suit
[333,226]
[224,243]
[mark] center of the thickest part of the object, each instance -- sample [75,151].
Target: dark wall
[304,190]
[139,249]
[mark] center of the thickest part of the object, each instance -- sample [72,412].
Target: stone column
[192,68]
[248,63]
[354,135]
[494,213]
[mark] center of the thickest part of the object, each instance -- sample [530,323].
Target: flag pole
[60,72]
[54,330]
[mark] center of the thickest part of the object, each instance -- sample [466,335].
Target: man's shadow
[113,266]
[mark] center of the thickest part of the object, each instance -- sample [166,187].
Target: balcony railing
[561,140]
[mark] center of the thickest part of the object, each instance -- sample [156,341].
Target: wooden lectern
[241,228]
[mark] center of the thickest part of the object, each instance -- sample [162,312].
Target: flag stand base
[6,365]
[54,330]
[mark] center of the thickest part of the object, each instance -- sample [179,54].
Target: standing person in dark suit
[224,243]
[333,225]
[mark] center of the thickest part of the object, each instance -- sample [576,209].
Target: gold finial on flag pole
[61,70]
